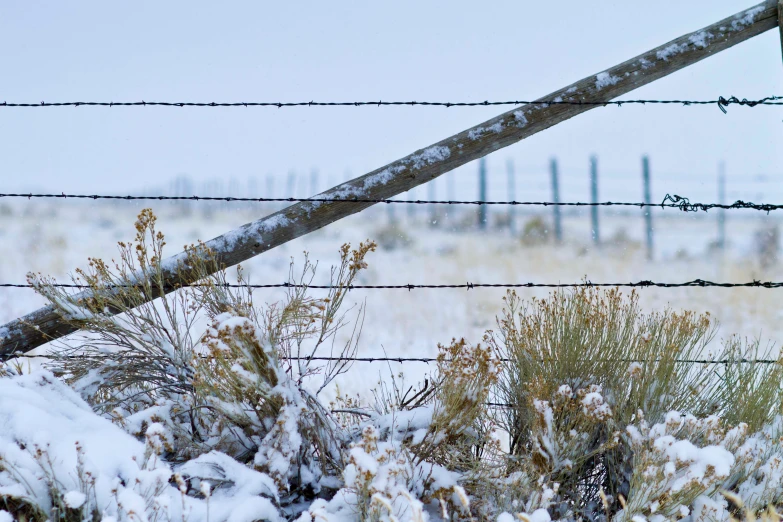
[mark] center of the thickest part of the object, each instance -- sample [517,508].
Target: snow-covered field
[56,237]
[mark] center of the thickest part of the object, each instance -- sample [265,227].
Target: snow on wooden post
[425,164]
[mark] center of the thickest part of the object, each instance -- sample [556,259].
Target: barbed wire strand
[669,201]
[721,102]
[700,283]
[426,360]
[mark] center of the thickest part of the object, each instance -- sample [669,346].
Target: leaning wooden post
[594,199]
[648,209]
[556,199]
[425,164]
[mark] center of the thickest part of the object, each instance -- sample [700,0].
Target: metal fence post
[722,201]
[594,198]
[556,199]
[482,216]
[648,209]
[512,196]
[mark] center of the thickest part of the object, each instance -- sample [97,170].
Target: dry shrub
[535,232]
[767,245]
[465,376]
[585,365]
[393,237]
[233,388]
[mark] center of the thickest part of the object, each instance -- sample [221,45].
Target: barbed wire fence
[669,201]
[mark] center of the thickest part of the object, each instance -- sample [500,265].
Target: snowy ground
[56,237]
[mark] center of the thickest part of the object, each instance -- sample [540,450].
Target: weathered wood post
[512,195]
[556,199]
[647,210]
[594,199]
[482,214]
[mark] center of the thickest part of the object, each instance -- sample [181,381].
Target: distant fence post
[556,199]
[313,182]
[411,194]
[512,195]
[648,209]
[433,208]
[482,215]
[594,198]
[291,185]
[270,188]
[722,201]
[390,212]
[252,190]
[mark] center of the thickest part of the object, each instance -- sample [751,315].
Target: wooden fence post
[594,199]
[556,199]
[648,209]
[425,164]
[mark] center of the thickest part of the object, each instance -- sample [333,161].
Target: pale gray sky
[451,51]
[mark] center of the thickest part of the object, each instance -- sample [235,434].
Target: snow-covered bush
[615,407]
[203,405]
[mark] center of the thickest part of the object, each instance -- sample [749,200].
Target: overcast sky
[448,51]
